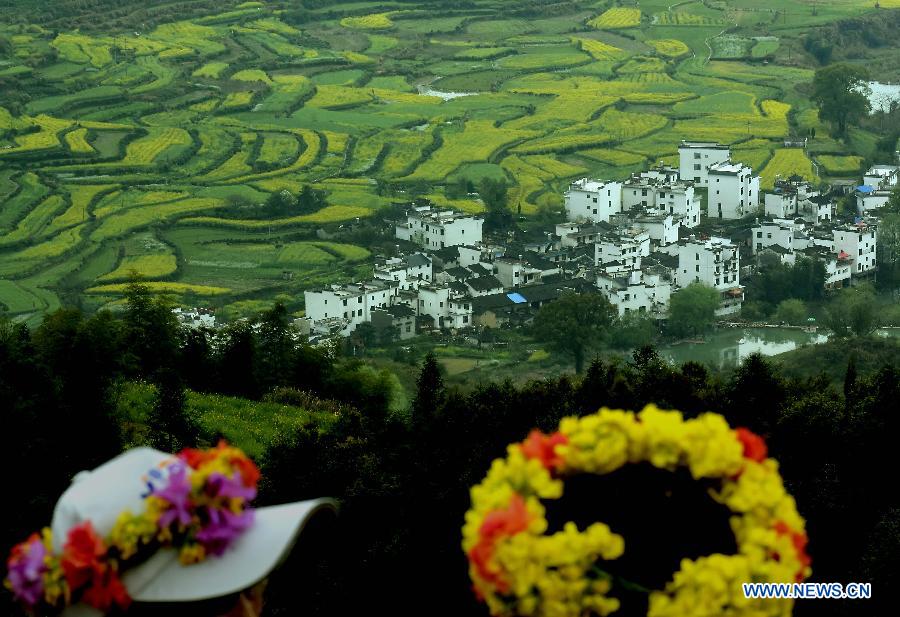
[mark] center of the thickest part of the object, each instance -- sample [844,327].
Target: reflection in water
[727,348]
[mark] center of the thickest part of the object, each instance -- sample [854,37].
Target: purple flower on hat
[223,528]
[26,570]
[176,493]
[221,485]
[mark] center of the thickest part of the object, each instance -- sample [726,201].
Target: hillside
[161,141]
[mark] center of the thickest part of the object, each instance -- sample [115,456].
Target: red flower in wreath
[496,525]
[543,448]
[754,446]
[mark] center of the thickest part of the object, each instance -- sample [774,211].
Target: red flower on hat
[249,471]
[754,446]
[82,556]
[543,448]
[107,590]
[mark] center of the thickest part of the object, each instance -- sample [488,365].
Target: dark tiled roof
[448,253]
[417,259]
[493,301]
[484,283]
[480,270]
[458,287]
[459,273]
[400,311]
[535,260]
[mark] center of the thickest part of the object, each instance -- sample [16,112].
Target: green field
[155,152]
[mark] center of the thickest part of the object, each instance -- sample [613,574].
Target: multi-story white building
[663,228]
[695,159]
[626,248]
[673,197]
[882,176]
[593,200]
[868,199]
[733,191]
[856,242]
[781,204]
[434,301]
[515,272]
[435,229]
[353,303]
[636,292]
[716,263]
[772,233]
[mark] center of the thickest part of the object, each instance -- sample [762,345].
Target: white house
[870,199]
[593,200]
[733,191]
[436,229]
[856,242]
[772,233]
[407,271]
[434,301]
[882,176]
[695,159]
[580,235]
[626,248]
[195,317]
[636,292]
[663,228]
[515,272]
[483,285]
[714,262]
[781,204]
[673,197]
[353,303]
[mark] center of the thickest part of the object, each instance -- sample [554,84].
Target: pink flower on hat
[177,494]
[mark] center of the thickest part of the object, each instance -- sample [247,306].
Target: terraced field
[155,152]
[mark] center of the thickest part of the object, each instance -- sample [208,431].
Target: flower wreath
[197,502]
[519,570]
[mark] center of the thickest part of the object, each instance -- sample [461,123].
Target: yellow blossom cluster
[130,532]
[519,570]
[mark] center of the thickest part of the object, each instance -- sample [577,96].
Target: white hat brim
[259,550]
[252,558]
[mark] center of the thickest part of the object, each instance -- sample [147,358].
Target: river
[728,347]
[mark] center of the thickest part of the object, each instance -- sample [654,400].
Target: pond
[425,90]
[727,348]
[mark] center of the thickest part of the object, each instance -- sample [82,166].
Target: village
[635,241]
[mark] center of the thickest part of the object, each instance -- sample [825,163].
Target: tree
[310,199]
[574,324]
[841,92]
[152,332]
[852,312]
[171,427]
[430,392]
[692,310]
[632,330]
[494,195]
[888,248]
[792,312]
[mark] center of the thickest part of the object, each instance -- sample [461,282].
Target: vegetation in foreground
[403,478]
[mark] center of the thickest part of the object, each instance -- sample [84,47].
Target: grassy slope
[250,425]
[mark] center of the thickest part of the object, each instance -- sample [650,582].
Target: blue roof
[517,298]
[864,188]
